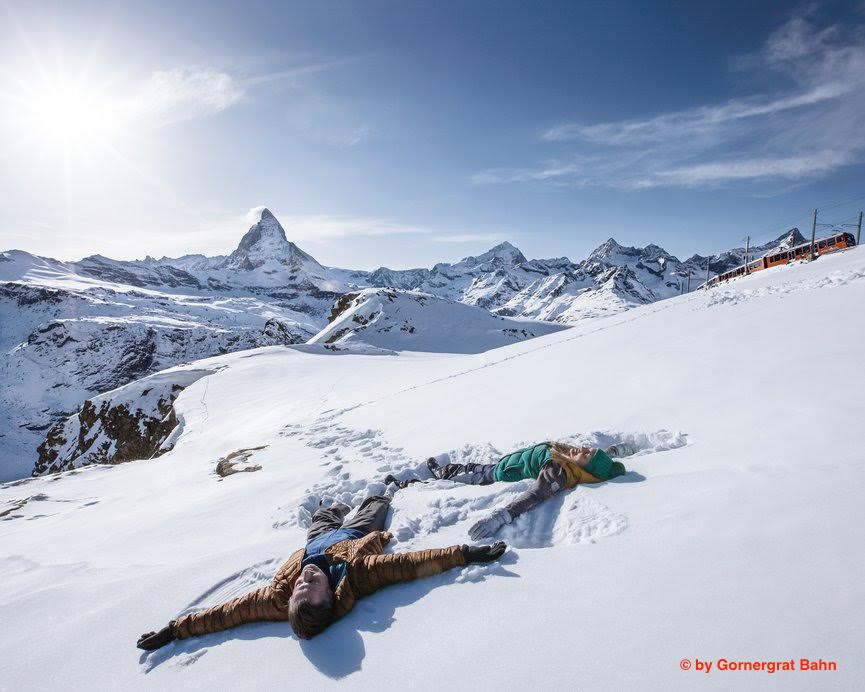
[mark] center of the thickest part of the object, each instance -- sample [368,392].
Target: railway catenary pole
[747,249]
[859,228]
[689,280]
[707,273]
[813,231]
[858,225]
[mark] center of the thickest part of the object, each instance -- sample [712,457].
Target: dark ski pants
[471,474]
[370,517]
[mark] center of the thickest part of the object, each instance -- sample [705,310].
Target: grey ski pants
[370,517]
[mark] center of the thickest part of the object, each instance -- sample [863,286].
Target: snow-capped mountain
[72,330]
[413,321]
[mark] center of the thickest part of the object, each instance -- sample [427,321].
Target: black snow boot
[390,478]
[434,468]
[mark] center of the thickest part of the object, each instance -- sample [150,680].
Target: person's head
[581,456]
[310,608]
[595,461]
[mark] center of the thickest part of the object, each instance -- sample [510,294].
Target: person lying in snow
[342,562]
[553,465]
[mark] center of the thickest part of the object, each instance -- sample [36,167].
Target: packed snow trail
[745,542]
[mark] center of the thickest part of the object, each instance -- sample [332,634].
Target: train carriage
[833,243]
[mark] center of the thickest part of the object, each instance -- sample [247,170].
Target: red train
[839,241]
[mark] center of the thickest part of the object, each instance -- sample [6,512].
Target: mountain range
[74,330]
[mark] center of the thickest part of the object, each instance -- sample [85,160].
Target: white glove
[622,449]
[487,527]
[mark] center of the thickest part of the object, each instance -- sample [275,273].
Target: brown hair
[308,620]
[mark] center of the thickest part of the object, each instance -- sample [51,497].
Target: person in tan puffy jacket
[318,584]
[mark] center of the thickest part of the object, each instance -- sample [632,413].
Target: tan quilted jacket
[368,570]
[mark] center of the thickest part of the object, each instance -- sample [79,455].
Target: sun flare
[70,114]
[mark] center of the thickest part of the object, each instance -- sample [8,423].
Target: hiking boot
[390,478]
[434,468]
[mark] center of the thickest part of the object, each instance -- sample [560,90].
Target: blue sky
[402,133]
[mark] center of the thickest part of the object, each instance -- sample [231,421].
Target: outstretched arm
[377,571]
[550,481]
[266,603]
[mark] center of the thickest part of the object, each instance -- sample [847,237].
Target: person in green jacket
[553,466]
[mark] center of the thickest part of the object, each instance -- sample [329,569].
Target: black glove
[150,641]
[483,553]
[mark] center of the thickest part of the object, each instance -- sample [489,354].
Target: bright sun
[71,115]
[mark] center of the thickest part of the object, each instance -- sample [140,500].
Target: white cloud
[323,227]
[790,168]
[689,123]
[548,171]
[811,128]
[186,93]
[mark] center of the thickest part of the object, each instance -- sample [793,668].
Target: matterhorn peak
[265,243]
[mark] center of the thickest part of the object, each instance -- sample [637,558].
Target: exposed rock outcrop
[137,421]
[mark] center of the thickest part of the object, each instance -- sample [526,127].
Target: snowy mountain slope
[136,421]
[264,260]
[131,318]
[736,534]
[611,279]
[412,321]
[67,337]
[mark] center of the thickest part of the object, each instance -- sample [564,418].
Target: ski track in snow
[358,460]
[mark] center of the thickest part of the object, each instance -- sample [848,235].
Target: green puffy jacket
[528,462]
[524,463]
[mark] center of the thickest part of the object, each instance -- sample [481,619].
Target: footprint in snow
[569,518]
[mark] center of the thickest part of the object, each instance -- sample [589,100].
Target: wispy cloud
[548,171]
[324,227]
[682,125]
[813,128]
[789,167]
[186,93]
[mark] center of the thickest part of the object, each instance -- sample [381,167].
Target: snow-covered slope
[412,321]
[73,330]
[68,336]
[737,533]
